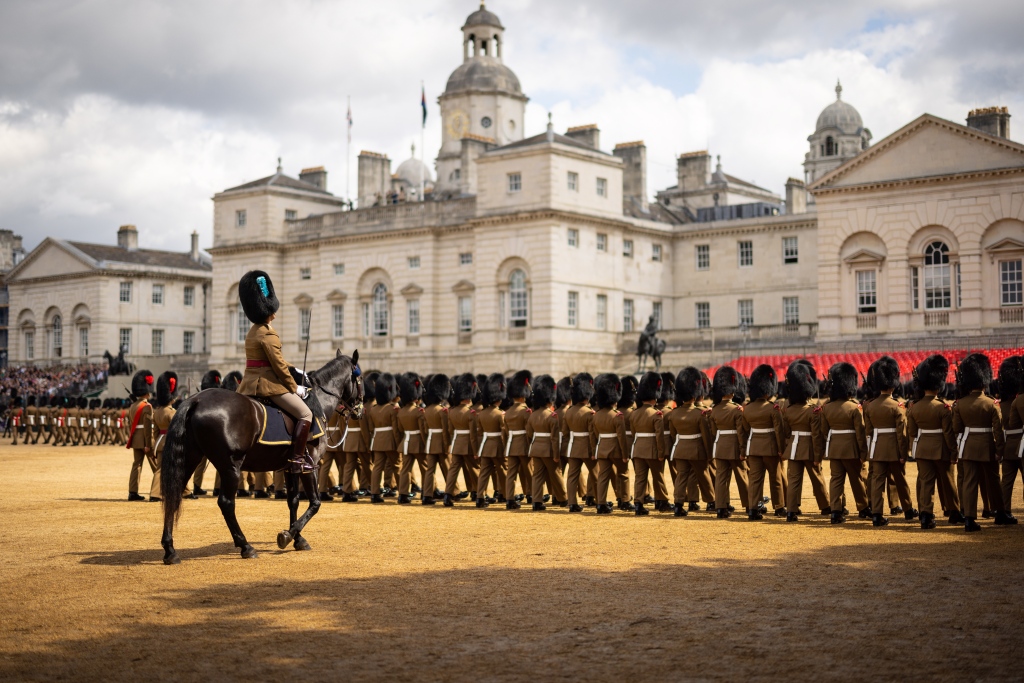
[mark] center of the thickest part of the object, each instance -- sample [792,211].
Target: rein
[342,408]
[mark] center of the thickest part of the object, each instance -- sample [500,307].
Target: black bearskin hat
[142,383]
[494,390]
[385,389]
[629,385]
[543,391]
[166,385]
[582,387]
[668,387]
[94,404]
[211,380]
[1011,379]
[481,382]
[439,388]
[931,373]
[410,388]
[975,373]
[886,374]
[843,377]
[83,402]
[464,388]
[519,385]
[764,383]
[801,381]
[726,381]
[54,401]
[563,392]
[689,385]
[607,391]
[370,387]
[256,294]
[650,387]
[232,380]
[30,401]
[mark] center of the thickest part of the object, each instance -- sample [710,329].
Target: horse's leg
[291,482]
[226,502]
[294,532]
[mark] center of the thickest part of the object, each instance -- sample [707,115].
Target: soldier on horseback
[649,345]
[267,373]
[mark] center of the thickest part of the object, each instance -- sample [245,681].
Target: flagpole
[423,147]
[348,151]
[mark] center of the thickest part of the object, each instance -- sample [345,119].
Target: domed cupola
[840,115]
[839,135]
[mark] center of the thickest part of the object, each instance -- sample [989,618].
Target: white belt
[157,446]
[874,438]
[430,436]
[828,439]
[573,435]
[682,437]
[609,435]
[758,430]
[796,440]
[913,449]
[1020,446]
[455,437]
[714,447]
[487,435]
[967,432]
[513,433]
[375,431]
[639,435]
[538,435]
[42,419]
[32,419]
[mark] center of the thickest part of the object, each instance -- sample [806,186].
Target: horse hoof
[172,559]
[283,539]
[249,553]
[301,544]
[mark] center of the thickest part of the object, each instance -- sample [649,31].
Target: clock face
[457,124]
[486,122]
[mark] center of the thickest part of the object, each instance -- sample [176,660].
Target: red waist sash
[257,364]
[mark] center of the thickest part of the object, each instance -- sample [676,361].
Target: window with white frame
[465,314]
[124,339]
[602,311]
[627,315]
[746,253]
[125,293]
[790,250]
[627,248]
[867,291]
[573,309]
[915,289]
[790,310]
[190,295]
[366,320]
[30,345]
[937,277]
[188,342]
[602,242]
[515,182]
[413,309]
[656,252]
[703,256]
[305,273]
[1010,283]
[339,268]
[703,310]
[518,304]
[158,342]
[656,312]
[414,262]
[602,187]
[304,322]
[57,336]
[574,181]
[83,341]
[242,326]
[574,237]
[466,258]
[380,310]
[157,297]
[745,312]
[240,218]
[338,321]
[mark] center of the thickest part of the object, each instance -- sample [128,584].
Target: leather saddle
[277,425]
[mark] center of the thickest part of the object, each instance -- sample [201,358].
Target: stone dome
[840,115]
[482,17]
[484,73]
[411,170]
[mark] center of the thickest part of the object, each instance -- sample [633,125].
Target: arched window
[937,280]
[518,310]
[830,147]
[380,310]
[57,336]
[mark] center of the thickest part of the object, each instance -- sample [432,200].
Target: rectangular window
[703,315]
[190,295]
[915,290]
[746,253]
[125,340]
[515,182]
[602,242]
[338,321]
[339,268]
[30,345]
[305,273]
[125,293]
[790,251]
[655,252]
[937,287]
[414,262]
[414,316]
[240,218]
[1010,283]
[242,326]
[303,324]
[366,320]
[83,341]
[790,310]
[656,312]
[574,305]
[867,292]
[574,182]
[703,256]
[465,314]
[602,312]
[602,187]
[956,275]
[627,315]
[745,312]
[627,248]
[158,295]
[574,237]
[466,258]
[188,342]
[290,214]
[158,342]
[57,339]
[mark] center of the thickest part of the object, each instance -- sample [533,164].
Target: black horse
[225,427]
[118,365]
[644,349]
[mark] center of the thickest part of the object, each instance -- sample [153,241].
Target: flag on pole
[348,117]
[423,103]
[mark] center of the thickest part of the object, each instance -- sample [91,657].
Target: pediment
[864,256]
[928,147]
[337,296]
[303,300]
[463,286]
[1006,244]
[411,289]
[49,259]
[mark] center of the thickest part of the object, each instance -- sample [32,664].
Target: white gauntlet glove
[301,391]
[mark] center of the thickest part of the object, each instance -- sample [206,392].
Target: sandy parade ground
[432,594]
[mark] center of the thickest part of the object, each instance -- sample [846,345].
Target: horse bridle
[342,408]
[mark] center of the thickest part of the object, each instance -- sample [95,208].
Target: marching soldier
[16,417]
[577,446]
[413,421]
[438,430]
[763,420]
[517,459]
[933,442]
[608,432]
[647,450]
[666,403]
[387,432]
[886,426]
[140,437]
[728,431]
[542,432]
[461,437]
[491,433]
[356,445]
[840,438]
[1011,405]
[334,439]
[31,419]
[800,423]
[622,483]
[166,384]
[689,440]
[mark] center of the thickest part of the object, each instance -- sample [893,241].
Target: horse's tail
[172,470]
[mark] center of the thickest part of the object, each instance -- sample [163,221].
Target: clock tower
[483,99]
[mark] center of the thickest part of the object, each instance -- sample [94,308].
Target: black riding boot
[298,463]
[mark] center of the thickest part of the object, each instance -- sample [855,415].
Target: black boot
[694,507]
[216,492]
[927,520]
[865,513]
[827,512]
[662,506]
[511,505]
[280,495]
[134,497]
[710,507]
[198,491]
[879,520]
[481,502]
[792,517]
[323,496]
[448,502]
[589,502]
[679,510]
[641,511]
[781,512]
[986,514]
[910,514]
[261,493]
[971,525]
[723,513]
[428,501]
[539,507]
[376,498]
[404,499]
[955,517]
[299,462]
[350,498]
[575,508]
[1005,519]
[755,514]
[604,509]
[837,518]
[626,506]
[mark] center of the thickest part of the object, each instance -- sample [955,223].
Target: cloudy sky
[136,111]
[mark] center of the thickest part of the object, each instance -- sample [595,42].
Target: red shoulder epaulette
[397,408]
[658,413]
[860,407]
[618,413]
[529,411]
[777,407]
[472,412]
[948,407]
[421,410]
[817,409]
[740,407]
[445,409]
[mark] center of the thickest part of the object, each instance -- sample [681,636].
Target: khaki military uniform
[608,432]
[334,438]
[141,437]
[412,419]
[356,449]
[517,451]
[932,444]
[689,444]
[622,482]
[647,451]
[885,425]
[841,440]
[462,442]
[977,422]
[728,431]
[542,434]
[578,447]
[32,427]
[1013,452]
[384,440]
[161,422]
[490,432]
[764,447]
[800,424]
[435,449]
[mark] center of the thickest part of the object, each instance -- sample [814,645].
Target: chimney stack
[374,178]
[992,120]
[195,246]
[796,196]
[589,135]
[315,176]
[128,237]
[634,171]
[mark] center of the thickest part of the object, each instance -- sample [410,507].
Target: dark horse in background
[225,427]
[645,348]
